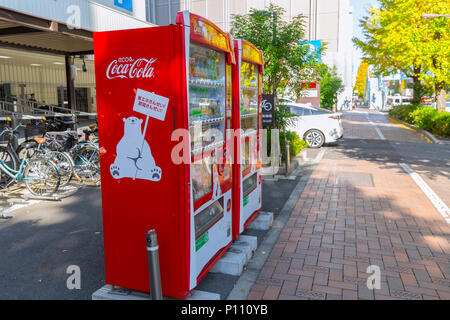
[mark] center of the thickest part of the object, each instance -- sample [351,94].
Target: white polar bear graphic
[134,158]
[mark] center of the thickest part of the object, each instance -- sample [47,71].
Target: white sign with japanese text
[151,104]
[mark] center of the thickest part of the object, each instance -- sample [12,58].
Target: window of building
[162,12]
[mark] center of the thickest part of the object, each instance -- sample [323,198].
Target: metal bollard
[280,161]
[288,159]
[153,265]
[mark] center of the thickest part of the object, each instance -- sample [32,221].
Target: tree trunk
[418,90]
[440,99]
[417,86]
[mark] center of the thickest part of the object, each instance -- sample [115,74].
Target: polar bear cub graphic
[134,158]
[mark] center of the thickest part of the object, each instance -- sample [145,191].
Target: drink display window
[206,97]
[201,178]
[249,96]
[249,184]
[246,161]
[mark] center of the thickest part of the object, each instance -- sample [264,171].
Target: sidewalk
[354,213]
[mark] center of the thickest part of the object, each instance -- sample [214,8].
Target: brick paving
[354,213]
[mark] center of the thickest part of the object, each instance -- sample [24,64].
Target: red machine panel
[247,181]
[152,83]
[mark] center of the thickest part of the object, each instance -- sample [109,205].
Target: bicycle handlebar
[8,129]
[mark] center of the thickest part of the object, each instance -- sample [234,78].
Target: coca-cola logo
[130,68]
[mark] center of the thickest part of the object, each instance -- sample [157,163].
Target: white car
[315,125]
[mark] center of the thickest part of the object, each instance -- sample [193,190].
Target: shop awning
[23,31]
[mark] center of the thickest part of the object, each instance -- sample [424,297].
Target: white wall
[343,58]
[96,16]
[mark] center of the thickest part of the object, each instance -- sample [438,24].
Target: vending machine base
[109,292]
[212,262]
[251,218]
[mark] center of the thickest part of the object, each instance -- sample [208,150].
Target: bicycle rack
[23,109]
[27,109]
[16,195]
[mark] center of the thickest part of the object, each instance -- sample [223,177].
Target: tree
[361,77]
[279,41]
[330,86]
[399,40]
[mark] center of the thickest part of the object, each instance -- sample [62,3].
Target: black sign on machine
[268,109]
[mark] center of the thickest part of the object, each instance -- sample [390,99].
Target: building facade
[23,73]
[330,21]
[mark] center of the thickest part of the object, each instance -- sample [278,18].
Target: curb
[295,162]
[421,131]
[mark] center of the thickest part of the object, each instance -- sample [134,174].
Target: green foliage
[422,117]
[283,117]
[403,112]
[330,86]
[279,40]
[295,144]
[426,118]
[442,124]
[398,39]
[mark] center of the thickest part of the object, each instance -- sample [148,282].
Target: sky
[359,11]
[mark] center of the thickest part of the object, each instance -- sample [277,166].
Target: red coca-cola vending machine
[247,180]
[164,107]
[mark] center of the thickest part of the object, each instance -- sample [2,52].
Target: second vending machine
[164,107]
[247,180]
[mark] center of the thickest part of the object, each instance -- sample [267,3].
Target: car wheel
[314,138]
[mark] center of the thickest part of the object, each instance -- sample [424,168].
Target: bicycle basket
[61,141]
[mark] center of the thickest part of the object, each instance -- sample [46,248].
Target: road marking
[380,134]
[317,159]
[434,198]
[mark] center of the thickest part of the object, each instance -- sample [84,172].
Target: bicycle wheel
[41,177]
[9,160]
[86,164]
[64,165]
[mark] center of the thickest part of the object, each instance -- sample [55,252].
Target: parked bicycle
[86,162]
[84,155]
[39,147]
[40,175]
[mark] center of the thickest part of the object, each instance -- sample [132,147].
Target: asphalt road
[44,239]
[385,142]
